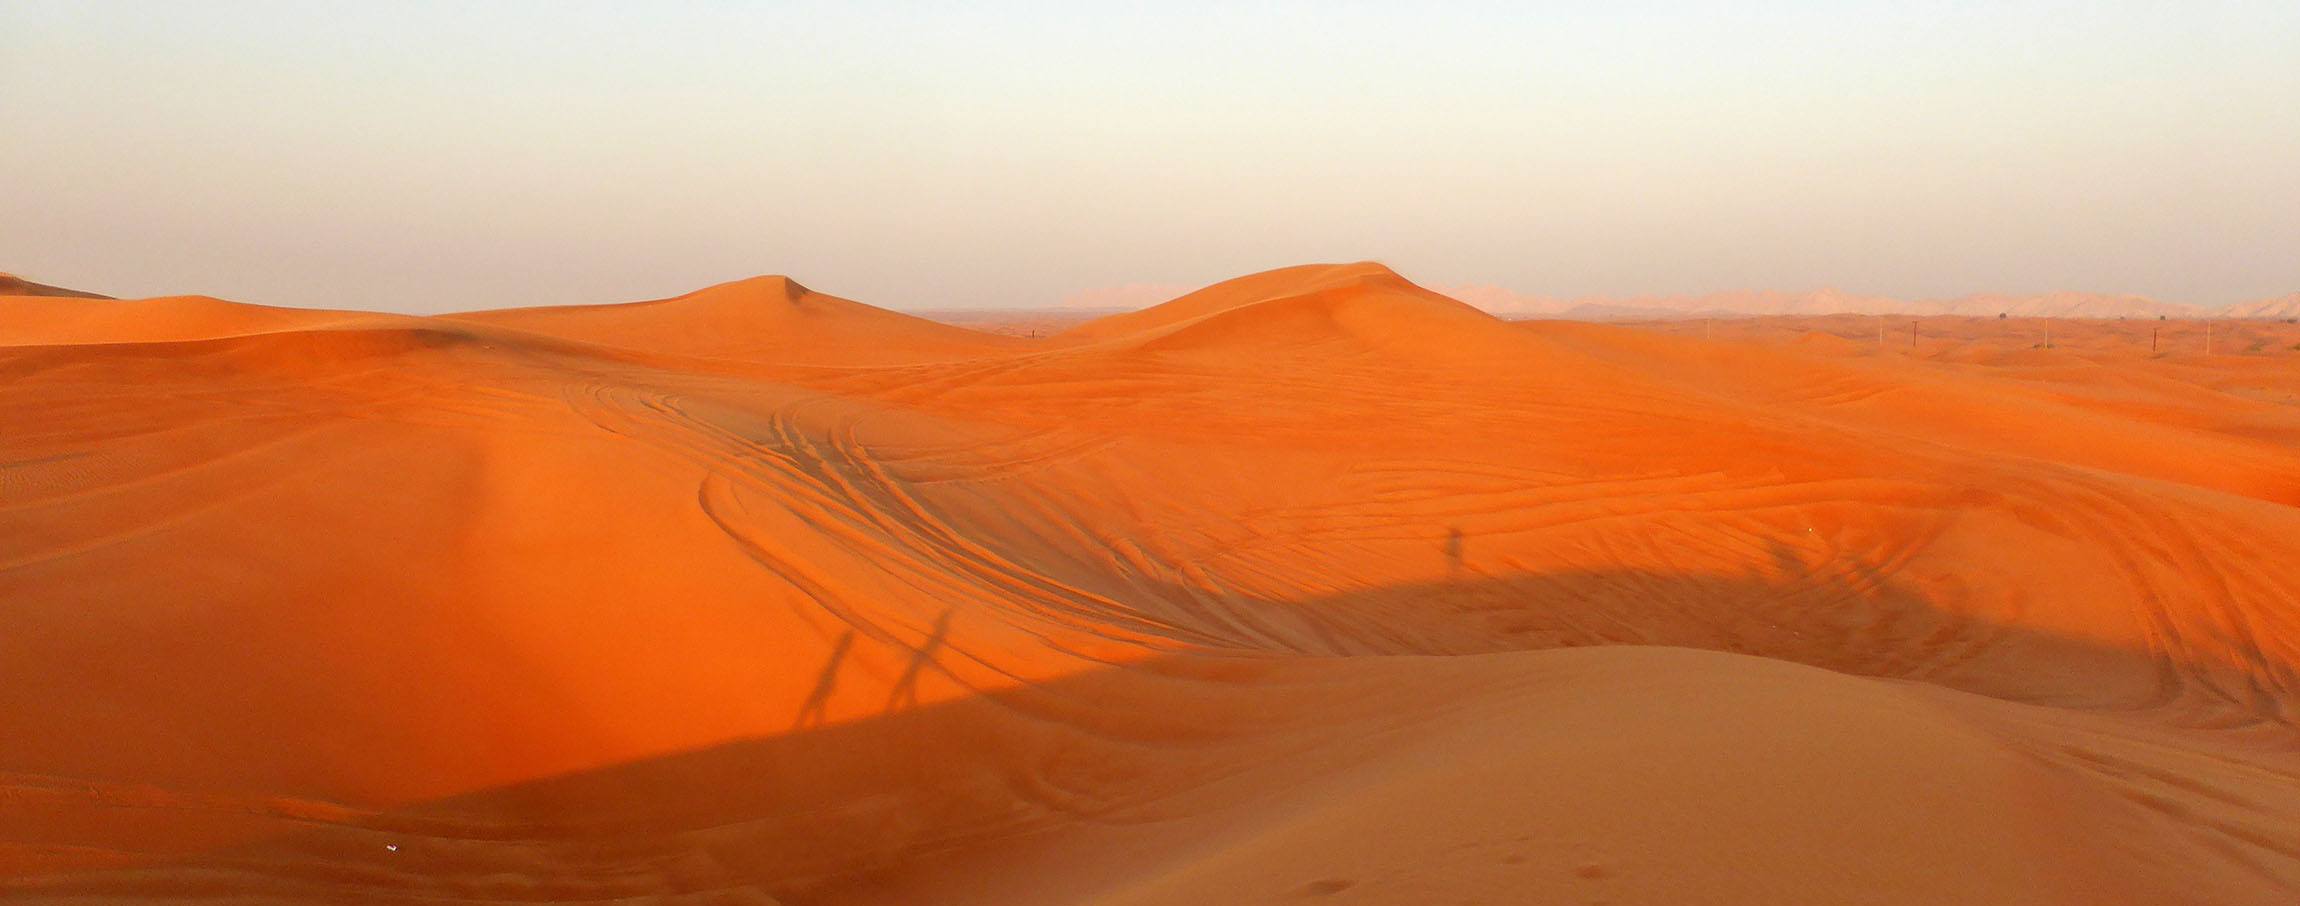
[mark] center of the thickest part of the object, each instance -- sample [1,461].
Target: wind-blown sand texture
[1312,586]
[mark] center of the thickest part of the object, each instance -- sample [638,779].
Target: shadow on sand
[780,815]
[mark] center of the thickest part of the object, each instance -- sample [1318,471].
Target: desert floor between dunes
[1312,586]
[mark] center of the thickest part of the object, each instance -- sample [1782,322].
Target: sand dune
[1325,311]
[1313,585]
[12,285]
[1824,302]
[770,319]
[61,320]
[2279,307]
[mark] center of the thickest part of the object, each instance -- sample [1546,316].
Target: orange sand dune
[1310,586]
[60,320]
[759,319]
[12,285]
[1324,311]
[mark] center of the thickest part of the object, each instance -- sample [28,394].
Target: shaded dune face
[1311,585]
[12,285]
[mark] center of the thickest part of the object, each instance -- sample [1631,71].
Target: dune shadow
[786,815]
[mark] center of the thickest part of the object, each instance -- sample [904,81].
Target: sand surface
[12,285]
[1313,586]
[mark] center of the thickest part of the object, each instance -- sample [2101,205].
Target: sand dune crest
[759,319]
[1311,585]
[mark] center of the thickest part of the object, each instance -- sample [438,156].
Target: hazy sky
[426,157]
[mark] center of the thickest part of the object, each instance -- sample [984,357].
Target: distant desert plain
[1313,586]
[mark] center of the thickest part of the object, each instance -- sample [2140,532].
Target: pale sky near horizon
[437,156]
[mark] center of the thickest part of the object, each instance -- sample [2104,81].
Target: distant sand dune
[1310,586]
[12,285]
[760,319]
[1773,303]
[57,320]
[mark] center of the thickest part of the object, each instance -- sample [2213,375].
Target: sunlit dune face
[762,590]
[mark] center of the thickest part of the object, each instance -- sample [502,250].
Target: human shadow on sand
[826,803]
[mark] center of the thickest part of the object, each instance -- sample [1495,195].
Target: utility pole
[2207,338]
[1912,336]
[2152,339]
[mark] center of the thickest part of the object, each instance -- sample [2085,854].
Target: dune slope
[771,319]
[1313,585]
[12,285]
